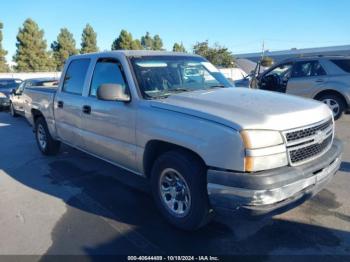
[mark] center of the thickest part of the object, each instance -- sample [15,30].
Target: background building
[278,56]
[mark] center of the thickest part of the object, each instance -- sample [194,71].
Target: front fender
[218,145]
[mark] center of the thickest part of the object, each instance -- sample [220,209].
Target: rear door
[108,127]
[69,102]
[306,78]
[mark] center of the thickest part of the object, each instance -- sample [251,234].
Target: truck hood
[242,108]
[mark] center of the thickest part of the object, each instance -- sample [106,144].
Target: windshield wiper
[166,93]
[170,91]
[179,89]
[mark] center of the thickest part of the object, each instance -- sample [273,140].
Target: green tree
[88,40]
[147,41]
[179,48]
[3,65]
[126,42]
[157,43]
[202,49]
[151,43]
[136,45]
[217,55]
[31,54]
[123,42]
[63,48]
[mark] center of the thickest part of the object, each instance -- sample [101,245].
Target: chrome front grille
[307,132]
[307,143]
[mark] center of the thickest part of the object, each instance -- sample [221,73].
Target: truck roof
[138,53]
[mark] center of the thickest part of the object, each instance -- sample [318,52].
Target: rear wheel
[179,188]
[46,144]
[13,111]
[335,103]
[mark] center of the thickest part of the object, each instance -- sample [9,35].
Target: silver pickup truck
[174,119]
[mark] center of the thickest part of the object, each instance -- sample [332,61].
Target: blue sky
[239,25]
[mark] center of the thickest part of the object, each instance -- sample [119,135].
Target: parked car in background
[17,100]
[174,119]
[324,78]
[6,87]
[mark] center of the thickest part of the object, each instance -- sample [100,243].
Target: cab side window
[75,76]
[107,71]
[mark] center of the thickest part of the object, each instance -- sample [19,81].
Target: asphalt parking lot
[76,204]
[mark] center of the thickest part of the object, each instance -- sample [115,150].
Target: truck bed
[42,99]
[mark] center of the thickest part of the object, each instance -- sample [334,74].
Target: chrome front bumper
[269,190]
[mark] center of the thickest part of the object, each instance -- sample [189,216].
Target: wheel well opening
[331,92]
[36,114]
[155,148]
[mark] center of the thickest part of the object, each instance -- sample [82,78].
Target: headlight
[264,149]
[261,138]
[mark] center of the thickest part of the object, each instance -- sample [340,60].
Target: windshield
[162,76]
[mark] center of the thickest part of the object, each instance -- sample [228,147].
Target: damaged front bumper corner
[270,190]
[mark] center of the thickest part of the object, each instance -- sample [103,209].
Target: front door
[108,127]
[277,78]
[69,102]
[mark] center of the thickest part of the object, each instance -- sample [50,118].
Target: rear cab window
[75,76]
[343,64]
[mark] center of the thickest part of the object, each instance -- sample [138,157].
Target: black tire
[51,146]
[194,174]
[13,111]
[337,99]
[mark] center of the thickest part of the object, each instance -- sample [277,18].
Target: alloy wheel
[333,105]
[174,192]
[41,135]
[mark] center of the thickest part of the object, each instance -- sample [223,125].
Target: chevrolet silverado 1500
[174,119]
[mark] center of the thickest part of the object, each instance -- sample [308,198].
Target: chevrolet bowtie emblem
[319,137]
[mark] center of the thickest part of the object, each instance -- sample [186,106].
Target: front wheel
[46,144]
[335,103]
[179,188]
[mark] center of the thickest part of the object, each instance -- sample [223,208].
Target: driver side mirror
[112,92]
[13,91]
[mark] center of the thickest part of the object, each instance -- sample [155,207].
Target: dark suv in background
[326,79]
[6,87]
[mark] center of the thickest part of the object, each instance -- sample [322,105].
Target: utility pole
[263,50]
